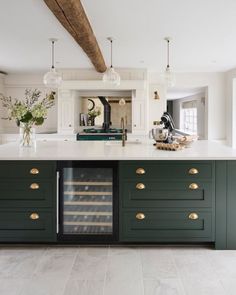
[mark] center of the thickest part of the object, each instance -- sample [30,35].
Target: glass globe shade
[52,79]
[111,76]
[169,77]
[122,102]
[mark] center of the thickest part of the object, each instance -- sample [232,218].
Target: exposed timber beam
[72,16]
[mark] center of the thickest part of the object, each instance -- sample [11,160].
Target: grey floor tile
[202,286]
[54,265]
[44,286]
[163,287]
[229,285]
[125,287]
[18,266]
[84,287]
[90,264]
[124,264]
[12,286]
[158,263]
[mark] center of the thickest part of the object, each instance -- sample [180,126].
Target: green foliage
[31,110]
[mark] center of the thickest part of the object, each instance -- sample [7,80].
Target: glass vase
[27,135]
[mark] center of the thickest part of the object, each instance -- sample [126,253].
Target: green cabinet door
[231,205]
[27,226]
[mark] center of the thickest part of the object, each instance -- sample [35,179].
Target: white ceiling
[203,32]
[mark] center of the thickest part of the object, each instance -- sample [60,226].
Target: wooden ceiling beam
[72,16]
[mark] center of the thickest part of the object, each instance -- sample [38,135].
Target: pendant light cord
[53,54]
[111,55]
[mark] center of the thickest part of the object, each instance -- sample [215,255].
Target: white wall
[215,98]
[156,106]
[231,107]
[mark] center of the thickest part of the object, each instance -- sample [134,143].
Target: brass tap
[124,135]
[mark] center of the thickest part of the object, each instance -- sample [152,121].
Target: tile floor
[117,271]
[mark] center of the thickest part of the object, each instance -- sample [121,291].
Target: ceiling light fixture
[168,74]
[111,76]
[52,79]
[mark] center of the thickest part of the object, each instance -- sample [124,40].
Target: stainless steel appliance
[164,128]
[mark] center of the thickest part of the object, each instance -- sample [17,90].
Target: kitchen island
[132,194]
[113,150]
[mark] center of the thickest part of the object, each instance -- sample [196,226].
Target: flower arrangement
[93,114]
[29,112]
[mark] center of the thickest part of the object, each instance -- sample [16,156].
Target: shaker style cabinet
[88,201]
[118,202]
[68,117]
[167,201]
[28,201]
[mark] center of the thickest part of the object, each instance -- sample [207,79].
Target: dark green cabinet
[166,226]
[226,205]
[28,201]
[175,200]
[18,226]
[159,201]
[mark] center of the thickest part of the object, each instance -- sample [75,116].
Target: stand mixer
[163,133]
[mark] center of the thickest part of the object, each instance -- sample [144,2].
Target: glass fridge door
[87,201]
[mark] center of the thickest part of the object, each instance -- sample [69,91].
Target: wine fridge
[88,201]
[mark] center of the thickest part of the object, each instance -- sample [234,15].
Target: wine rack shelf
[88,201]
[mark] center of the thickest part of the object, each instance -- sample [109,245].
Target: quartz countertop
[101,150]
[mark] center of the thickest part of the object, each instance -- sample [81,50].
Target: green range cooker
[100,134]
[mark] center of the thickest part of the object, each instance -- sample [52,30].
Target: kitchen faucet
[124,134]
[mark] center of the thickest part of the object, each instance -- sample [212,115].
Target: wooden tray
[169,146]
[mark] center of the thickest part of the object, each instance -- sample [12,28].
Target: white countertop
[100,150]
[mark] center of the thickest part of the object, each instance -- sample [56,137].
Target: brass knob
[34,186]
[140,186]
[34,216]
[193,186]
[140,171]
[193,216]
[193,171]
[140,216]
[34,171]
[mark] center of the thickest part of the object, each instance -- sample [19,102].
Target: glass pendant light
[111,76]
[122,102]
[168,75]
[52,79]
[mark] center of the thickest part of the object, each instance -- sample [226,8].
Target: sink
[119,143]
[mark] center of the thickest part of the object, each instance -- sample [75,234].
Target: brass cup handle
[140,171]
[140,186]
[193,216]
[34,216]
[193,171]
[193,186]
[34,185]
[140,216]
[34,171]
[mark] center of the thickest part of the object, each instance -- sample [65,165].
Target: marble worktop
[102,150]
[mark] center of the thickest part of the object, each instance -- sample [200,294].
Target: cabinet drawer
[166,170]
[17,226]
[166,194]
[27,169]
[166,226]
[27,193]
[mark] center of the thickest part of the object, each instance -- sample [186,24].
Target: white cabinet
[68,113]
[138,115]
[139,112]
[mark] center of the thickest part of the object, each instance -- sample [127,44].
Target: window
[189,120]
